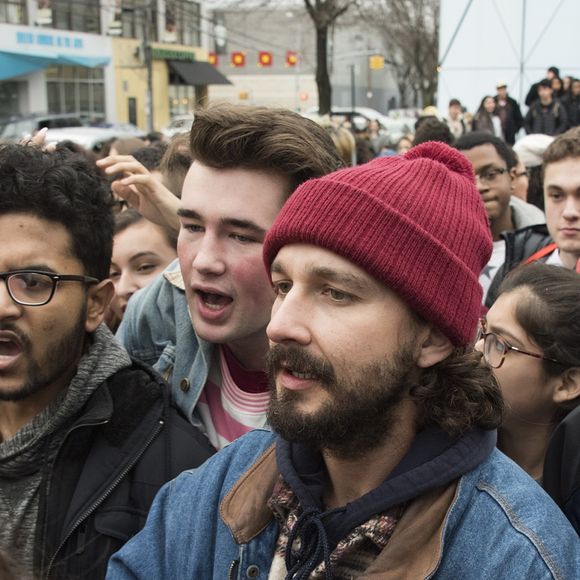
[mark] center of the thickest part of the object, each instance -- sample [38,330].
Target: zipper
[232,572]
[88,512]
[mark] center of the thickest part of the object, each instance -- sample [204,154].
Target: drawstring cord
[301,563]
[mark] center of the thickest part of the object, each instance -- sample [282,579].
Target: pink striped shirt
[227,409]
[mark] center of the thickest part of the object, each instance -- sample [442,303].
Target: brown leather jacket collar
[414,550]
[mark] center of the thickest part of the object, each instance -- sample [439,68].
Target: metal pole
[147,53]
[352,88]
[522,47]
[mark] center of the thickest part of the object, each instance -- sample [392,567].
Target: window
[79,15]
[182,22]
[75,89]
[135,15]
[13,11]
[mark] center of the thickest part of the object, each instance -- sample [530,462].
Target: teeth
[303,376]
[212,306]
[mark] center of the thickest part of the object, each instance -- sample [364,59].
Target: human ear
[434,347]
[567,386]
[99,297]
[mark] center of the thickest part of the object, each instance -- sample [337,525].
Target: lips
[214,300]
[211,304]
[11,348]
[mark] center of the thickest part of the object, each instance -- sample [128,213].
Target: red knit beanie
[415,222]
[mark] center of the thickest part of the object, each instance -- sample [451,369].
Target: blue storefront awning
[14,64]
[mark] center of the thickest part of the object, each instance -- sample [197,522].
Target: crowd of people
[253,352]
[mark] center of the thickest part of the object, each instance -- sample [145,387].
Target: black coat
[519,246]
[511,118]
[124,445]
[561,478]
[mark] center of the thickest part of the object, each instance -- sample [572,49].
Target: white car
[178,124]
[91,138]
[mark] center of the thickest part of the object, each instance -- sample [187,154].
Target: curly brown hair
[458,394]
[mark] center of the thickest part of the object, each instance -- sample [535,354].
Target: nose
[8,308]
[126,285]
[481,185]
[290,321]
[209,256]
[571,208]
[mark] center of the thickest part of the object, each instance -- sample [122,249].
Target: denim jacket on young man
[213,522]
[157,330]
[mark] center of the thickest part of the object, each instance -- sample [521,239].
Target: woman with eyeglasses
[531,338]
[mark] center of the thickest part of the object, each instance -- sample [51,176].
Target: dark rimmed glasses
[495,348]
[35,287]
[490,175]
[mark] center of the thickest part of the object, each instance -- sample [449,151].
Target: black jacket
[561,478]
[550,120]
[519,246]
[124,445]
[511,118]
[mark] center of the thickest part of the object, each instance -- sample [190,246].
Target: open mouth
[10,350]
[298,374]
[214,301]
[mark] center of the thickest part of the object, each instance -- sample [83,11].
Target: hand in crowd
[142,191]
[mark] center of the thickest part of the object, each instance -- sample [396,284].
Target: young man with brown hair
[202,324]
[383,461]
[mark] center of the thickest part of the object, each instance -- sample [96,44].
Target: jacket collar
[414,550]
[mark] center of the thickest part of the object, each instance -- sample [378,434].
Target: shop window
[78,90]
[13,11]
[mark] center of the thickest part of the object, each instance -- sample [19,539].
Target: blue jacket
[213,522]
[157,329]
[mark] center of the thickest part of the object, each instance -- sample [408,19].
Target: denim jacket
[157,330]
[213,522]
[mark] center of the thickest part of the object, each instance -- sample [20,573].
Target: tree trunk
[322,78]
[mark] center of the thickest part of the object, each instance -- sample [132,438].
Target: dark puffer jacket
[127,442]
[519,246]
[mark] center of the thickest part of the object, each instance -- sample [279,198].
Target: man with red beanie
[382,463]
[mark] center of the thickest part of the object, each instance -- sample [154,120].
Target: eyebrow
[37,267]
[506,334]
[227,221]
[143,254]
[331,275]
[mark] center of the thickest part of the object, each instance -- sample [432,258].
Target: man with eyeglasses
[495,171]
[87,435]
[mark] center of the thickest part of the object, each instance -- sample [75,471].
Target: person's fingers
[122,164]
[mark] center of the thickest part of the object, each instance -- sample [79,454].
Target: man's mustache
[294,358]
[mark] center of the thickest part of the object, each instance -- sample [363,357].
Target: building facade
[105,61]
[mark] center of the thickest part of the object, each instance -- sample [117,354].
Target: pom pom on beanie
[414,222]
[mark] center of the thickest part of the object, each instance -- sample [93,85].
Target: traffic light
[238,59]
[291,58]
[264,58]
[212,58]
[376,62]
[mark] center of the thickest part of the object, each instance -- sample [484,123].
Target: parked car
[19,126]
[394,129]
[178,124]
[91,138]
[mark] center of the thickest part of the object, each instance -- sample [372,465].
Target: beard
[357,416]
[59,360]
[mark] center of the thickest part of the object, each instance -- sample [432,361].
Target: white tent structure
[482,42]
